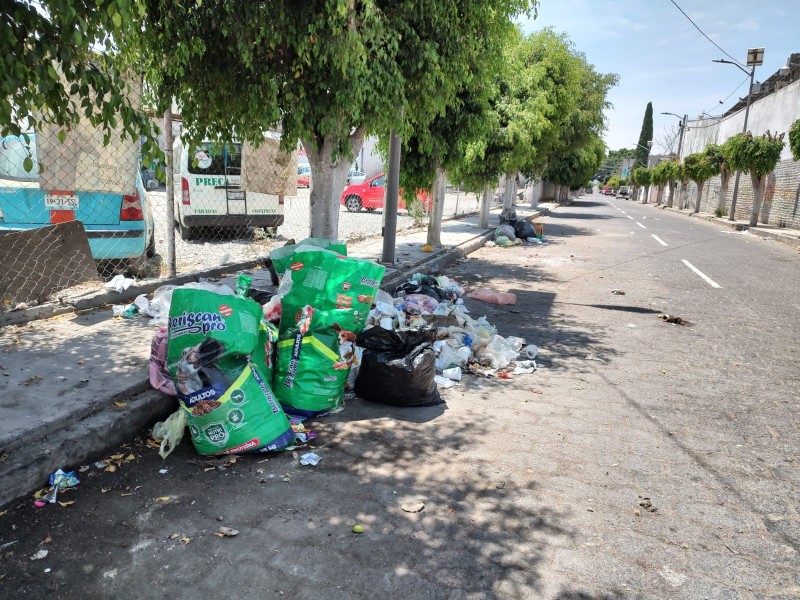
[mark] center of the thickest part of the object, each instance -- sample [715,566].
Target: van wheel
[352,203]
[185,232]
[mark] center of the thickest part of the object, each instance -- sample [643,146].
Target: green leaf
[61,136]
[27,164]
[117,20]
[77,38]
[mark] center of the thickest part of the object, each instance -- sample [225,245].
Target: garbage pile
[515,233]
[248,366]
[424,334]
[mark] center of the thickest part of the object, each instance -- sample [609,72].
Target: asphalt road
[645,459]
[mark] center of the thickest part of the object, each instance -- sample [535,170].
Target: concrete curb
[782,236]
[79,443]
[90,433]
[103,297]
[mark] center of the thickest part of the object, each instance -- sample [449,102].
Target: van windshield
[216,159]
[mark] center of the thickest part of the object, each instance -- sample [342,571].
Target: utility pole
[755,58]
[171,269]
[390,202]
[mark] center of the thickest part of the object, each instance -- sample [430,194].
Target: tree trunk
[671,199]
[724,179]
[766,199]
[437,209]
[699,199]
[758,194]
[509,191]
[486,202]
[327,182]
[646,194]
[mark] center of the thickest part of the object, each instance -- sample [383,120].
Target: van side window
[216,159]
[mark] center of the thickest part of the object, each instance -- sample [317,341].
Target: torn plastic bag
[398,367]
[497,353]
[170,432]
[160,377]
[492,297]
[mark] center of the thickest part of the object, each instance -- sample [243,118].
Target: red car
[303,176]
[369,195]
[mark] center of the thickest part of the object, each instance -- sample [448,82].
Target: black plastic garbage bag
[398,367]
[413,287]
[524,230]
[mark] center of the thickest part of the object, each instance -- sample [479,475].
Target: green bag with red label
[329,302]
[217,358]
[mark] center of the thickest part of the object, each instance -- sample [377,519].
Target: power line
[704,34]
[708,112]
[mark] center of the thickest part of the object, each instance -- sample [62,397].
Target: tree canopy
[794,139]
[755,155]
[698,168]
[59,63]
[646,135]
[663,173]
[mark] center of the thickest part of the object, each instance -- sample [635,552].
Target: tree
[716,156]
[59,63]
[614,182]
[646,135]
[699,169]
[327,71]
[642,177]
[757,156]
[663,173]
[682,176]
[573,169]
[794,139]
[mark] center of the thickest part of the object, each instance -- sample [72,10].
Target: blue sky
[661,57]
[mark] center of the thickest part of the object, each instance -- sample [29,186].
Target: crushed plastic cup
[453,374]
[531,351]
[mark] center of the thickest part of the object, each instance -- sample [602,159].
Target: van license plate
[61,201]
[235,194]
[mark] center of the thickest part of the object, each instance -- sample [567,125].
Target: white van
[207,190]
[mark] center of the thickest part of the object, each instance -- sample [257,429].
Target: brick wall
[781,204]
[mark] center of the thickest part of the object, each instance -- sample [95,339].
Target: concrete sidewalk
[74,385]
[773,232]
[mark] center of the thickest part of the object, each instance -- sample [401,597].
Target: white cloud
[748,24]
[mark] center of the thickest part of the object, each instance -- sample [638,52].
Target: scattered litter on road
[412,507]
[63,480]
[618,292]
[675,320]
[492,297]
[40,554]
[119,283]
[595,358]
[163,471]
[179,536]
[358,529]
[310,458]
[226,532]
[647,504]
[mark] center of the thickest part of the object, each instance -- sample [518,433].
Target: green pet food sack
[281,257]
[329,301]
[230,407]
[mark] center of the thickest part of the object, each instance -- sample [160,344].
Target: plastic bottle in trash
[531,351]
[463,354]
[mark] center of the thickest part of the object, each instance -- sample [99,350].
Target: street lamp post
[681,129]
[755,58]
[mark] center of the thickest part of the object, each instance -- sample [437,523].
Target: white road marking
[659,240]
[640,225]
[630,217]
[705,277]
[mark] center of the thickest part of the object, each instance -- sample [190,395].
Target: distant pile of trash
[248,365]
[517,232]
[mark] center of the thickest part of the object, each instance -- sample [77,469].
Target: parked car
[624,192]
[608,191]
[119,224]
[207,191]
[369,195]
[355,176]
[303,175]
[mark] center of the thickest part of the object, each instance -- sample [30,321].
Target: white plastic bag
[516,343]
[497,353]
[170,432]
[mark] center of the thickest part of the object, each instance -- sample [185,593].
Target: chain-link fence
[76,209]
